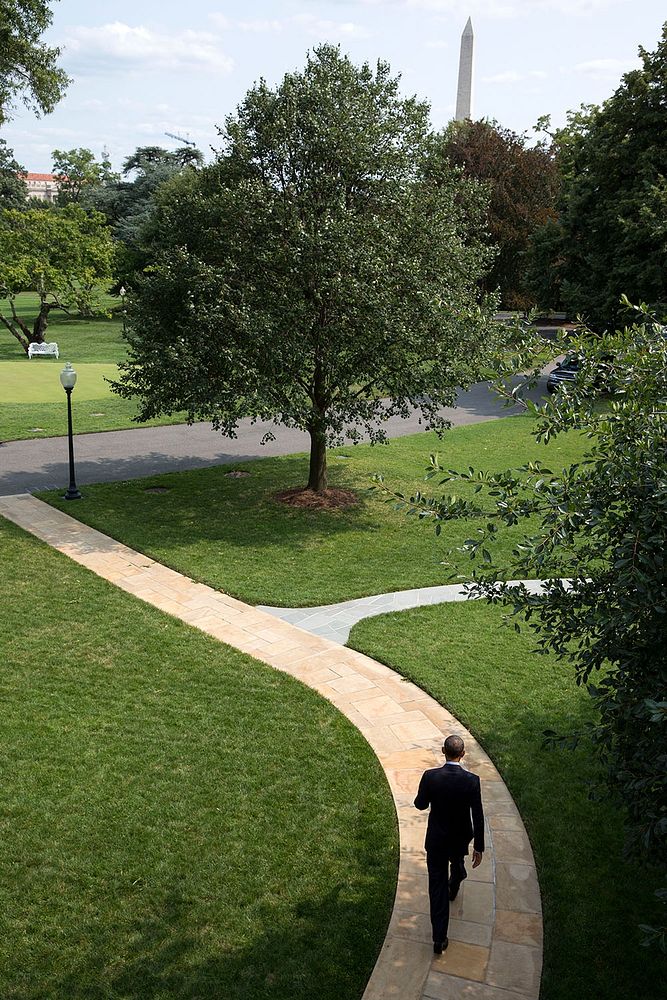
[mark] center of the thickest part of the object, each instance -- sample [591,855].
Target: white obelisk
[464,91]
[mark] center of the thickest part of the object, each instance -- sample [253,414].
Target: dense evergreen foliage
[611,237]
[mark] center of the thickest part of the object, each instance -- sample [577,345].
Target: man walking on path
[456,818]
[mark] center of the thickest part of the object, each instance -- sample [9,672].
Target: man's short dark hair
[454,747]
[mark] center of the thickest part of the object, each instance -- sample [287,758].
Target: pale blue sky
[146,67]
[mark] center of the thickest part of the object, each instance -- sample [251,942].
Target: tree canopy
[523,183]
[13,188]
[611,237]
[65,254]
[29,70]
[79,174]
[128,201]
[326,260]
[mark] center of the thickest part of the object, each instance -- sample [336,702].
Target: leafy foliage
[601,546]
[611,235]
[128,202]
[78,173]
[28,68]
[65,254]
[327,259]
[523,183]
[13,188]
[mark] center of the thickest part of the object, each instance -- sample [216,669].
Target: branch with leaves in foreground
[602,522]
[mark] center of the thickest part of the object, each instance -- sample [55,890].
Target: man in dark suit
[456,818]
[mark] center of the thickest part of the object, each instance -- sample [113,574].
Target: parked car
[565,371]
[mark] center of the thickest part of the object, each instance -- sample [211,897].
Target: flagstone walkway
[495,950]
[335,621]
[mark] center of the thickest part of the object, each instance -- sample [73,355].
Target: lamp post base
[72,495]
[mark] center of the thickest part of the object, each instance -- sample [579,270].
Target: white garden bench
[46,349]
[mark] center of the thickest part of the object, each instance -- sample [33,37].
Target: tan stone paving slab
[469,932]
[515,967]
[422,759]
[477,902]
[501,821]
[513,846]
[401,690]
[400,971]
[414,732]
[412,891]
[411,925]
[485,872]
[440,986]
[520,928]
[405,727]
[296,659]
[352,683]
[517,888]
[468,961]
[380,707]
[497,795]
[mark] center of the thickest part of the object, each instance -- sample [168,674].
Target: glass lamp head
[68,376]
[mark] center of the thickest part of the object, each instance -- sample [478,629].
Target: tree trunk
[41,323]
[317,475]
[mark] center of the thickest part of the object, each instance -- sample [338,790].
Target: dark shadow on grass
[211,510]
[325,946]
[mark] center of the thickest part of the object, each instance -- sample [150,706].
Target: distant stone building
[44,187]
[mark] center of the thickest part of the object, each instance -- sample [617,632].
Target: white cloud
[605,69]
[323,28]
[499,8]
[121,46]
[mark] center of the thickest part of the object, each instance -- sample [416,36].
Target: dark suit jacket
[456,816]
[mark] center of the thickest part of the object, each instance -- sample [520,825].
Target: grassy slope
[181,821]
[232,534]
[84,342]
[488,677]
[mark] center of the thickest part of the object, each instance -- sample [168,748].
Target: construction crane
[180,138]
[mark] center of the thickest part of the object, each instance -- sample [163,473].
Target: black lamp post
[123,292]
[68,381]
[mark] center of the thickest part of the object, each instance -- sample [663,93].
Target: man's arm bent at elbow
[423,799]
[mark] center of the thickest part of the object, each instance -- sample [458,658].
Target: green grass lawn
[232,534]
[177,819]
[31,396]
[506,695]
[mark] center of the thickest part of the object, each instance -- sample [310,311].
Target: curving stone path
[495,950]
[335,621]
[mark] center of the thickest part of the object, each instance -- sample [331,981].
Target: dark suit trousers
[438,864]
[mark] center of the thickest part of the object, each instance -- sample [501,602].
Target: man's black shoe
[454,890]
[440,946]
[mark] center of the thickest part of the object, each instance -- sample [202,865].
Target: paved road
[40,464]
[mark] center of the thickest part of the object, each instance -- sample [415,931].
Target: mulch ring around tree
[326,500]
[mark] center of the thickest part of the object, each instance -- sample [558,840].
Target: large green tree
[79,174]
[13,188]
[128,201]
[327,259]
[29,70]
[523,182]
[611,236]
[65,254]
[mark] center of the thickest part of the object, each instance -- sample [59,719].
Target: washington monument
[464,91]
